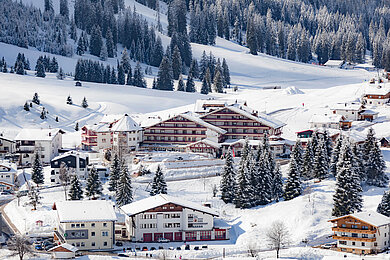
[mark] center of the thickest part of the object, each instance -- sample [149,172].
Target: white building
[88,224]
[338,64]
[46,141]
[63,251]
[7,146]
[76,162]
[350,110]
[172,218]
[326,121]
[8,176]
[127,134]
[362,233]
[377,95]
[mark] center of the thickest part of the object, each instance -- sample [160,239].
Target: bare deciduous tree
[20,246]
[252,249]
[64,177]
[278,236]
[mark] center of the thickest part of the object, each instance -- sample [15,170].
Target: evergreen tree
[103,52]
[76,128]
[293,185]
[347,198]
[320,165]
[4,68]
[35,99]
[84,103]
[373,159]
[93,186]
[190,84]
[121,75]
[359,163]
[49,6]
[80,46]
[277,184]
[194,69]
[57,119]
[384,205]
[19,68]
[307,166]
[251,38]
[205,86]
[129,79]
[34,197]
[61,74]
[37,169]
[180,84]
[53,66]
[228,181]
[335,155]
[125,61]
[43,114]
[262,179]
[124,191]
[159,186]
[75,190]
[165,77]
[69,100]
[176,63]
[138,79]
[96,41]
[218,82]
[297,155]
[40,70]
[114,173]
[244,193]
[154,84]
[26,106]
[226,72]
[64,9]
[110,44]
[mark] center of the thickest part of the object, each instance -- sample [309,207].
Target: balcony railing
[354,230]
[362,239]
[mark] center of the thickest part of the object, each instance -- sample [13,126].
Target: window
[342,242]
[92,224]
[343,225]
[104,224]
[105,233]
[353,243]
[93,234]
[363,244]
[82,244]
[365,235]
[73,225]
[365,227]
[105,244]
[93,244]
[375,244]
[355,235]
[354,226]
[82,225]
[77,225]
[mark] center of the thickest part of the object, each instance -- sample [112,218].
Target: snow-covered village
[194,129]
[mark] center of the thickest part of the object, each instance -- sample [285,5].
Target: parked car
[137,248]
[328,245]
[187,247]
[38,247]
[118,243]
[123,255]
[145,248]
[171,248]
[178,248]
[204,247]
[163,240]
[196,247]
[160,248]
[152,248]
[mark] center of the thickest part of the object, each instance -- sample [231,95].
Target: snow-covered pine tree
[226,72]
[129,78]
[114,173]
[37,169]
[297,154]
[61,74]
[43,114]
[293,185]
[320,164]
[76,127]
[84,103]
[64,9]
[103,52]
[205,86]
[125,61]
[34,197]
[40,70]
[373,160]
[384,205]
[159,186]
[328,145]
[75,191]
[244,198]
[218,82]
[53,65]
[190,84]
[180,84]
[359,162]
[165,77]
[96,41]
[262,181]
[177,65]
[93,186]
[228,180]
[121,75]
[335,155]
[138,79]
[277,191]
[307,166]
[347,198]
[26,106]
[124,191]
[69,100]
[19,68]
[194,69]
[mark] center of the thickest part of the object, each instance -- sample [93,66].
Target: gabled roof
[125,124]
[11,168]
[334,63]
[245,111]
[38,134]
[71,153]
[204,105]
[9,139]
[67,246]
[333,118]
[85,211]
[207,142]
[377,89]
[347,106]
[108,119]
[162,199]
[369,217]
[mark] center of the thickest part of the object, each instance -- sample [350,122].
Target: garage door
[169,236]
[178,236]
[147,237]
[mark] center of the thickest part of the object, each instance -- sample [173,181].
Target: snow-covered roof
[202,123]
[347,106]
[260,118]
[149,121]
[71,153]
[369,217]
[67,246]
[37,134]
[11,167]
[364,66]
[107,119]
[205,105]
[368,112]
[125,124]
[207,142]
[332,118]
[162,199]
[334,63]
[377,89]
[85,211]
[2,137]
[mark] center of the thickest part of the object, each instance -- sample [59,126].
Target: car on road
[145,248]
[123,255]
[328,245]
[38,247]
[178,248]
[160,247]
[118,243]
[171,248]
[187,247]
[163,240]
[152,248]
[196,248]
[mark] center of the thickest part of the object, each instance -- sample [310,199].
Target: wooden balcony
[175,134]
[361,239]
[353,230]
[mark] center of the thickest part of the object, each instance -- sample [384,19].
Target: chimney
[49,133]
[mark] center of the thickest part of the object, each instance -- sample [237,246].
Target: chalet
[333,121]
[385,141]
[305,136]
[204,106]
[63,251]
[205,146]
[350,111]
[377,95]
[338,64]
[172,218]
[7,146]
[46,141]
[87,225]
[127,134]
[76,162]
[367,67]
[8,178]
[368,115]
[177,132]
[362,233]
